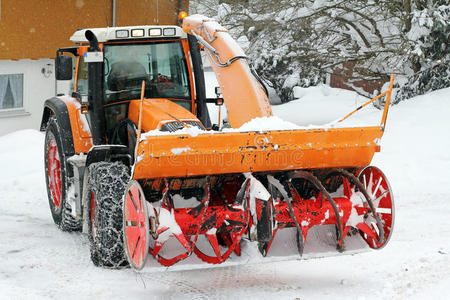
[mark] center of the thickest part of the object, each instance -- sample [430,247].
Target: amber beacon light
[182,15]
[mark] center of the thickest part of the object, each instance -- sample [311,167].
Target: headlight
[137,32]
[154,31]
[169,31]
[121,34]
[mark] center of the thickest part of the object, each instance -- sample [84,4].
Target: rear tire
[106,187]
[56,177]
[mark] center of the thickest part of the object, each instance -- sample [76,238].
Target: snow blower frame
[141,186]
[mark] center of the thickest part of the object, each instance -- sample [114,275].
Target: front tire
[106,187]
[56,171]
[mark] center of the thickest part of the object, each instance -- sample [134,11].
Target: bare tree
[297,42]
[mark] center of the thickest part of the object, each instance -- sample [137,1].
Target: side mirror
[217,101]
[63,67]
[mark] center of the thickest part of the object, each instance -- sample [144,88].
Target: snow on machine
[132,158]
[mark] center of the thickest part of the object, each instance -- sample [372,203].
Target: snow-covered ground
[37,261]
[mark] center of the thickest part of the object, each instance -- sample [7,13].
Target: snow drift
[37,261]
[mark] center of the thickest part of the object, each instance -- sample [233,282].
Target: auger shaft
[302,202]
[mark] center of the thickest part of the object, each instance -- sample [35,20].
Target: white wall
[37,87]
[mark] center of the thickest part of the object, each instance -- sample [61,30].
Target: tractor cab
[109,66]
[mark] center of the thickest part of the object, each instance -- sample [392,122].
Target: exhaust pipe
[95,93]
[93,41]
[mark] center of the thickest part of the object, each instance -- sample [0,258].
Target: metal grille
[174,126]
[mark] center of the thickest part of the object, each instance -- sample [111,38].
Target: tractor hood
[157,112]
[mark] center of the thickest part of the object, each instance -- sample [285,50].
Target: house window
[11,91]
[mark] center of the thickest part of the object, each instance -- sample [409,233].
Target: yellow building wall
[37,28]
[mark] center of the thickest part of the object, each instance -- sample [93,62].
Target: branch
[371,21]
[361,35]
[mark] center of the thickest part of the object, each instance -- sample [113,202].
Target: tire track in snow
[215,282]
[415,277]
[183,288]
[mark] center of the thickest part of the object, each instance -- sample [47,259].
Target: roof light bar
[137,32]
[130,32]
[169,31]
[121,34]
[154,32]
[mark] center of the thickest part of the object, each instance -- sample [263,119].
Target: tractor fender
[74,127]
[109,153]
[57,108]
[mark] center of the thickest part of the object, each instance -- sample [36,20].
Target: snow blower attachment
[147,176]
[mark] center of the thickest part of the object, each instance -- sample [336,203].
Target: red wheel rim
[380,191]
[54,171]
[136,226]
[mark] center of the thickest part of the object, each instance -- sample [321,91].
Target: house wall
[32,31]
[38,85]
[36,29]
[343,78]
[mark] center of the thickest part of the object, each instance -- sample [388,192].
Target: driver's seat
[125,75]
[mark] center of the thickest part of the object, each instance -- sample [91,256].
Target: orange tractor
[133,160]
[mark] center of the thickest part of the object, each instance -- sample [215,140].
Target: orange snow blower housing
[133,160]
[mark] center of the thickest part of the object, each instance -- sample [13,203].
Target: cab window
[82,77]
[161,65]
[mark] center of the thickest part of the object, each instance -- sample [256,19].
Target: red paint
[54,171]
[217,220]
[224,224]
[135,226]
[377,186]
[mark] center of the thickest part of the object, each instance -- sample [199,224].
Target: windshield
[161,65]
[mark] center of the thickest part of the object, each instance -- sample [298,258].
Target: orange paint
[245,98]
[75,80]
[212,153]
[82,138]
[185,46]
[269,151]
[156,112]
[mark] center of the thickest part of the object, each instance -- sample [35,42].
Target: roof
[129,32]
